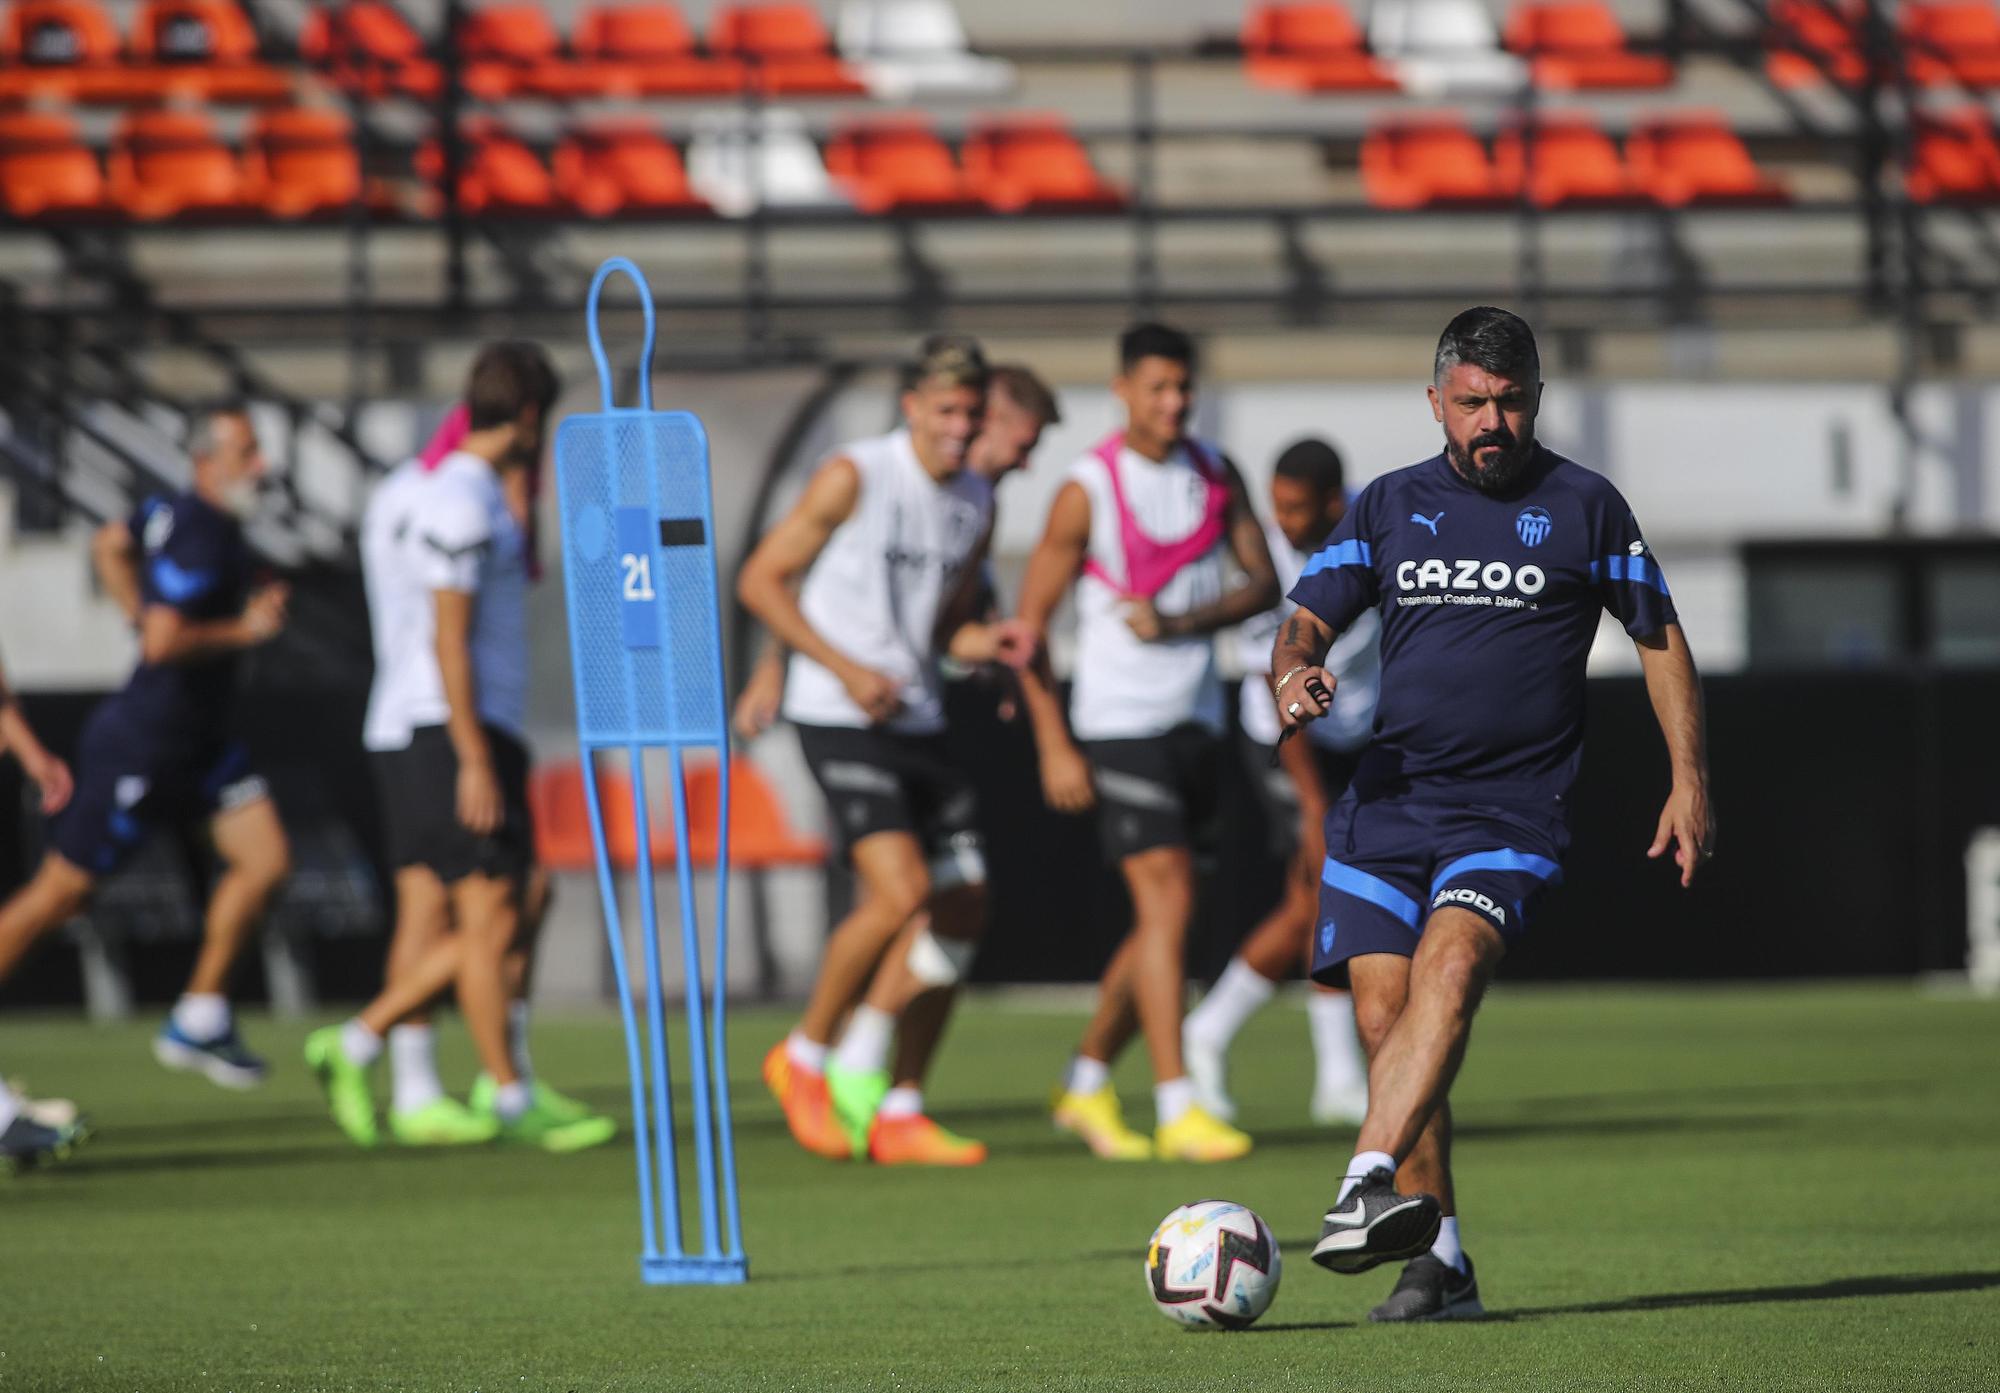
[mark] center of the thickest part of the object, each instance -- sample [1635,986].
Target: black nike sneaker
[1376,1225]
[26,1144]
[1432,1289]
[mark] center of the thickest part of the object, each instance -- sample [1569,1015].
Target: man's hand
[1017,643]
[1687,824]
[51,776]
[1294,695]
[1144,621]
[478,796]
[1066,783]
[757,708]
[879,695]
[264,615]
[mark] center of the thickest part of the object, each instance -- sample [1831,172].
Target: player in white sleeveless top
[1141,529]
[1308,500]
[889,537]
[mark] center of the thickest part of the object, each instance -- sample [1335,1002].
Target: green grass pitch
[1730,1188]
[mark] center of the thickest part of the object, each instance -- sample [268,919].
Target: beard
[1504,473]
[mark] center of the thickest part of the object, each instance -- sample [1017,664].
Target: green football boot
[857,1093]
[345,1084]
[557,1105]
[443,1122]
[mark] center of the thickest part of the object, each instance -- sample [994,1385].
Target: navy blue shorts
[1390,864]
[124,788]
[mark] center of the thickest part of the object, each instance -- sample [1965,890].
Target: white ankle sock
[517,1038]
[1336,1049]
[864,1049]
[1234,999]
[901,1102]
[361,1045]
[1171,1100]
[202,1016]
[1447,1250]
[510,1100]
[1358,1168]
[413,1072]
[1086,1075]
[805,1054]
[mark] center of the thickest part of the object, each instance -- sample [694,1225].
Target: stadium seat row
[760,835]
[301,162]
[1942,42]
[1679,160]
[70,50]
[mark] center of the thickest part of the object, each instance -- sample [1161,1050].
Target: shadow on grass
[1840,1289]
[1867,1089]
[92,1162]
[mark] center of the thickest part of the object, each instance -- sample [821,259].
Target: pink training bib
[1150,563]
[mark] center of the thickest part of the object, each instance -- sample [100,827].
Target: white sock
[1446,1249]
[10,1107]
[902,1102]
[805,1054]
[1086,1075]
[517,1039]
[510,1100]
[1171,1100]
[413,1070]
[202,1016]
[361,1045]
[1336,1049]
[1234,999]
[864,1049]
[1358,1168]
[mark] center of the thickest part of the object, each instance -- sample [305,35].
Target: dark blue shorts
[1390,864]
[125,787]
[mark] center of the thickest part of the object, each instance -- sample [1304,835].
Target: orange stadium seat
[785,48]
[1573,44]
[205,50]
[622,167]
[65,50]
[45,169]
[367,46]
[1565,161]
[510,49]
[1954,41]
[500,174]
[1955,158]
[890,164]
[647,50]
[166,163]
[1310,48]
[301,161]
[1425,160]
[1693,157]
[562,820]
[1810,42]
[1030,161]
[760,836]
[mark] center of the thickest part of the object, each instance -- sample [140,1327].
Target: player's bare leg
[487,910]
[200,1036]
[895,882]
[57,892]
[421,1112]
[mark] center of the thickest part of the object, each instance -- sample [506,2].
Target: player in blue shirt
[1489,565]
[160,750]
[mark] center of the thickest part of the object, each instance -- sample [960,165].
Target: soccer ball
[1212,1265]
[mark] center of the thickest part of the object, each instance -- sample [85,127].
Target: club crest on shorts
[1533,525]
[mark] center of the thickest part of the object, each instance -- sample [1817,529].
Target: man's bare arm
[115,557]
[1296,657]
[1057,560]
[1256,592]
[1687,823]
[168,636]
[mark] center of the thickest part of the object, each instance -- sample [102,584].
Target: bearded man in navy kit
[1489,564]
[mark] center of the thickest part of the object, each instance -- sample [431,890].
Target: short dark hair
[506,378]
[954,359]
[1152,340]
[1314,462]
[202,423]
[1494,339]
[1027,391]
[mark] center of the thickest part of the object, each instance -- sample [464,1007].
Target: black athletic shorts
[1163,790]
[882,781]
[1278,796]
[418,789]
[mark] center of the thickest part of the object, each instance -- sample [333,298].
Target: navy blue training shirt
[1489,607]
[193,559]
